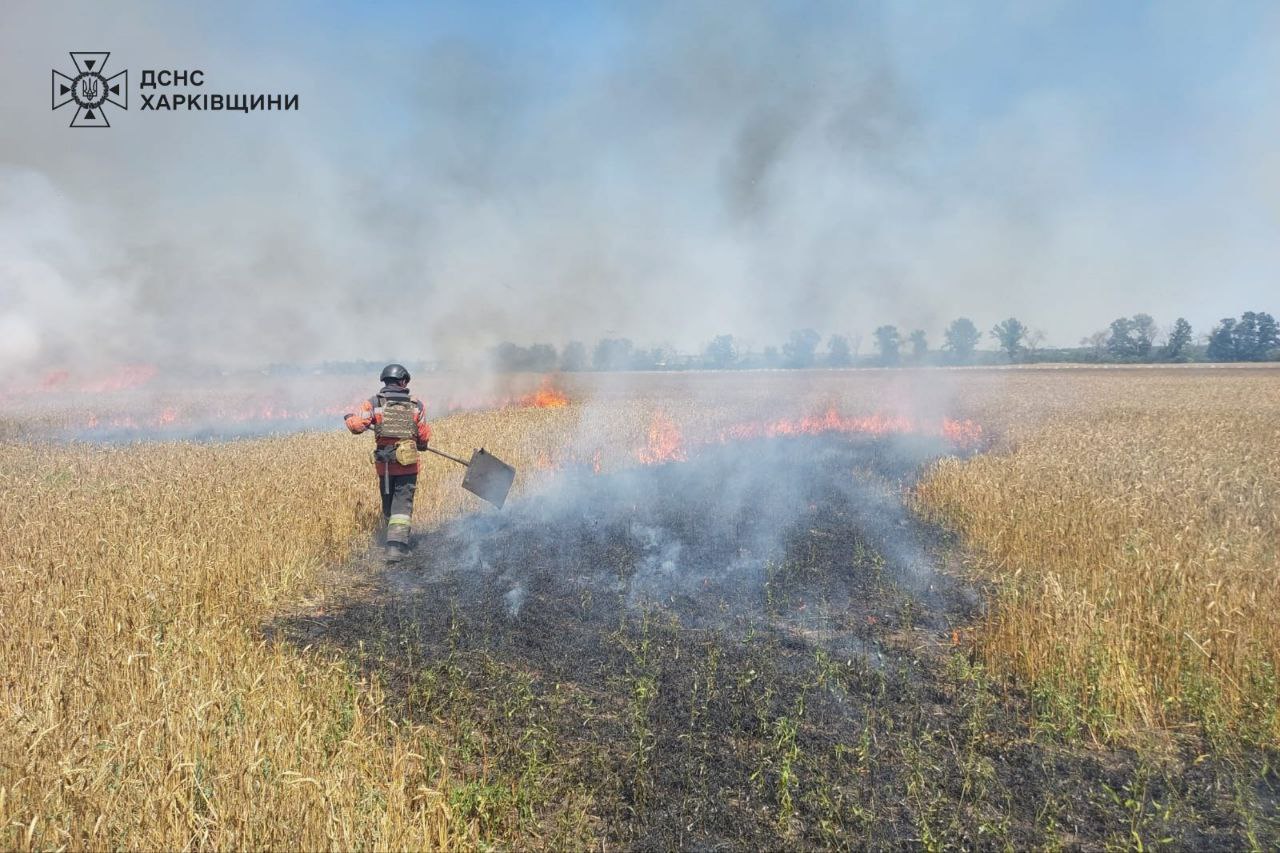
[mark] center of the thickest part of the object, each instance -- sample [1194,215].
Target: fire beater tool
[487,477]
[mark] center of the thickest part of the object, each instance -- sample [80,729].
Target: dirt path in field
[754,646]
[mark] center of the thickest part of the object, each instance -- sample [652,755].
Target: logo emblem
[90,89]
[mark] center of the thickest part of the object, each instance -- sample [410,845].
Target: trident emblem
[90,90]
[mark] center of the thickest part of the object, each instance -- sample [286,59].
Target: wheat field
[1131,528]
[142,707]
[1125,523]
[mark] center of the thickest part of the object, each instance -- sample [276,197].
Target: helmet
[394,373]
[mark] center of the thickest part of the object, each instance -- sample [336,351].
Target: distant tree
[961,339]
[838,353]
[1121,342]
[919,344]
[1245,334]
[888,342]
[542,358]
[1010,333]
[1251,338]
[573,357]
[612,354]
[507,357]
[1268,334]
[648,359]
[1096,342]
[771,357]
[799,349]
[1179,339]
[721,352]
[511,358]
[1255,336]
[1144,333]
[1222,343]
[1035,338]
[1132,338]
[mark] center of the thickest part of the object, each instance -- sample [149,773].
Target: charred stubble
[746,647]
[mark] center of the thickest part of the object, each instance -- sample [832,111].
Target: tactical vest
[397,417]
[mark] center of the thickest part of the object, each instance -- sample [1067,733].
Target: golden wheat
[142,706]
[1131,529]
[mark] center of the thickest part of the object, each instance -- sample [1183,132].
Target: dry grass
[142,709]
[1131,525]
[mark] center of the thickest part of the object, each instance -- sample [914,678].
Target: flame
[965,433]
[238,410]
[129,376]
[830,421]
[233,412]
[55,379]
[121,379]
[962,433]
[546,397]
[665,442]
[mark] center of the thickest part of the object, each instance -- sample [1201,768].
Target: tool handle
[447,456]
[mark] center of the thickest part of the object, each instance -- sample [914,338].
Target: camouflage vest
[397,419]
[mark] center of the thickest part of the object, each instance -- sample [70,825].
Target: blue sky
[668,171]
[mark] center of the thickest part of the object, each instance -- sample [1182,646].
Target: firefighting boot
[397,537]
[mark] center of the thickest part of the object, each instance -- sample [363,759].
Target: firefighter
[398,420]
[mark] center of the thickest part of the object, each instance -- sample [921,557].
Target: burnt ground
[759,647]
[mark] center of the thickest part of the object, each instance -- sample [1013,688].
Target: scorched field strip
[720,608]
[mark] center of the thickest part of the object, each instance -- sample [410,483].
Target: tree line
[1127,340]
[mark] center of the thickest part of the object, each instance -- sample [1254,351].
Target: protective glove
[356,423]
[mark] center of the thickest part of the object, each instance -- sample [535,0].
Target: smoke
[779,532]
[667,172]
[514,600]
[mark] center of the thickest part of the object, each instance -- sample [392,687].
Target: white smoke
[682,170]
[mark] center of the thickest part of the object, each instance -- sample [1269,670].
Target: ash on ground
[754,645]
[805,538]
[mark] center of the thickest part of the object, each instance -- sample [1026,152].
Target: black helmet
[394,373]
